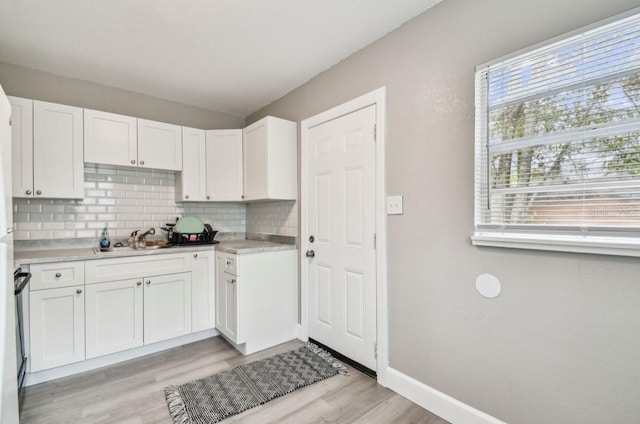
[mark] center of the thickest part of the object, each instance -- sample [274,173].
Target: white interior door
[341,220]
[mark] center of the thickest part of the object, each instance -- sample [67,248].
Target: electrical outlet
[394,205]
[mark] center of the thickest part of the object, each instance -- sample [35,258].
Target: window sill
[618,246]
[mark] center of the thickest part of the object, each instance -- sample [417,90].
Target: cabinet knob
[228,262]
[148,282]
[29,192]
[208,197]
[58,275]
[141,162]
[79,291]
[233,280]
[38,191]
[242,196]
[195,255]
[139,283]
[186,196]
[133,161]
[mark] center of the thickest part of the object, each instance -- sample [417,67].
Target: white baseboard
[435,401]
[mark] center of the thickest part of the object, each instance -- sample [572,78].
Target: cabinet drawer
[103,270]
[56,275]
[230,264]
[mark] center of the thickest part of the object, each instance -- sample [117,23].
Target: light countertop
[63,255]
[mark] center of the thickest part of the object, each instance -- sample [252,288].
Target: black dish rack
[205,237]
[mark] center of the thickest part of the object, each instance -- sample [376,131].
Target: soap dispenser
[105,243]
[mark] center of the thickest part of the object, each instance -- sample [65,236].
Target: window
[558,144]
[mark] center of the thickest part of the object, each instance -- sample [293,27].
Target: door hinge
[375,132]
[375,350]
[375,241]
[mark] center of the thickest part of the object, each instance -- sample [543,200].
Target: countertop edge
[240,247]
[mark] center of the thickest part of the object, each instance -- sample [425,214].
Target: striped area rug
[214,398]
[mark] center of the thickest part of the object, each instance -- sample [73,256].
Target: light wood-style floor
[132,392]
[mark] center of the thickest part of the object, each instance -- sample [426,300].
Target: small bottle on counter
[105,243]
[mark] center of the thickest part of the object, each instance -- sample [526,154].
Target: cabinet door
[110,139]
[221,307]
[167,307]
[203,302]
[226,300]
[255,161]
[191,182]
[224,165]
[57,327]
[159,145]
[113,317]
[58,160]
[22,146]
[230,296]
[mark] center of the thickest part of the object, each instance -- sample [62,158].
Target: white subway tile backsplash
[280,218]
[125,200]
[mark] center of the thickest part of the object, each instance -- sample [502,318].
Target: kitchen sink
[98,250]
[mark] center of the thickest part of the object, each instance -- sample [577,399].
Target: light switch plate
[394,205]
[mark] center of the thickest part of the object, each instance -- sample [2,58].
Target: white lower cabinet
[256,298]
[114,314]
[203,303]
[167,307]
[56,314]
[138,300]
[57,327]
[88,309]
[226,301]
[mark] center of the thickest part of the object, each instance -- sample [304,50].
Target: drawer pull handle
[79,291]
[58,275]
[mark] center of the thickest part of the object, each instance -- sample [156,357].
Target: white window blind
[558,140]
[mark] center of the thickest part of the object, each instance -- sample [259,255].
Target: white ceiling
[233,56]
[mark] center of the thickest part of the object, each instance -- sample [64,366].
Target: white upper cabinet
[47,144]
[212,166]
[58,159]
[159,145]
[191,182]
[224,165]
[22,146]
[110,139]
[270,160]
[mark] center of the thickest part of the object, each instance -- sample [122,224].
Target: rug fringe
[177,408]
[336,364]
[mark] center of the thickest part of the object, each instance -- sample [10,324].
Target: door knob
[310,254]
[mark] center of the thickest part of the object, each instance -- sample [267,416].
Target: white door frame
[379,99]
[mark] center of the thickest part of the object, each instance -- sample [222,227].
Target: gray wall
[32,84]
[561,344]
